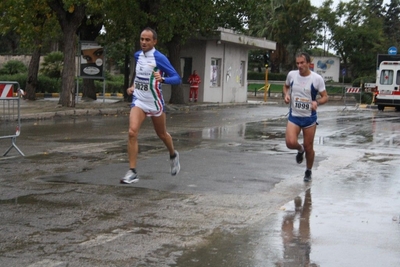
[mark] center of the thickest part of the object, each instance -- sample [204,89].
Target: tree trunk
[69,20]
[32,80]
[89,90]
[174,50]
[67,97]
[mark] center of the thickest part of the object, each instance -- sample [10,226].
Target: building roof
[226,35]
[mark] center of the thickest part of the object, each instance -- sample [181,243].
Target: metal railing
[10,117]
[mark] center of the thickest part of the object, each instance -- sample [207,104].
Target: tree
[358,37]
[181,20]
[391,23]
[122,34]
[31,20]
[291,23]
[70,16]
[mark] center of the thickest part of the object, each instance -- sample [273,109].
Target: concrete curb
[48,108]
[57,95]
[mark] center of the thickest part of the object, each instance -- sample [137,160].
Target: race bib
[302,103]
[141,86]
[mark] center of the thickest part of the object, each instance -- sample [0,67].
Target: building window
[215,72]
[186,68]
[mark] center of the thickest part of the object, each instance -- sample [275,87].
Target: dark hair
[152,31]
[305,55]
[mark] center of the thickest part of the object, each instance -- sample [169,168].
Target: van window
[398,78]
[386,77]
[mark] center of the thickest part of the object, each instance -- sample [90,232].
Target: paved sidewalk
[46,108]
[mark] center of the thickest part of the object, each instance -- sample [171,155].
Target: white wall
[230,89]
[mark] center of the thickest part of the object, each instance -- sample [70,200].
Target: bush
[52,65]
[111,86]
[20,78]
[367,79]
[366,98]
[48,85]
[13,67]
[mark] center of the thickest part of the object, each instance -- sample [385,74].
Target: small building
[221,61]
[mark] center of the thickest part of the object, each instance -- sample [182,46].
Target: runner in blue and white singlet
[148,93]
[303,90]
[300,90]
[147,100]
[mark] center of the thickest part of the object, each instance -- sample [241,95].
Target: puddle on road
[284,240]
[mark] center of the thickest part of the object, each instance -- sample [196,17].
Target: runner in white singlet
[300,90]
[151,66]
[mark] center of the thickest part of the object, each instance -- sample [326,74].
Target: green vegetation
[13,67]
[277,88]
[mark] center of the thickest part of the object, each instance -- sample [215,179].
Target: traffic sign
[392,50]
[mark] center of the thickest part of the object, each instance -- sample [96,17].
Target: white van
[388,84]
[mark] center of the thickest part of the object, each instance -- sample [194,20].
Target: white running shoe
[175,165]
[130,177]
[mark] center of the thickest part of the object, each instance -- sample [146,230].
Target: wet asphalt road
[232,204]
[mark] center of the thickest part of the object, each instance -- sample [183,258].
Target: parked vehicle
[387,86]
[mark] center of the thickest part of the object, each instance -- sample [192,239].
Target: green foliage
[111,86]
[48,85]
[52,65]
[13,67]
[367,79]
[20,78]
[366,98]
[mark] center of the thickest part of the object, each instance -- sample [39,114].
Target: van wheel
[381,108]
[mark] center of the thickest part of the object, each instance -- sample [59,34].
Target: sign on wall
[91,60]
[327,67]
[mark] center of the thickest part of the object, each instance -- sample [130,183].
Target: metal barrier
[10,119]
[351,90]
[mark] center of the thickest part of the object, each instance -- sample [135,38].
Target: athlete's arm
[324,98]
[130,90]
[286,95]
[286,88]
[172,77]
[323,94]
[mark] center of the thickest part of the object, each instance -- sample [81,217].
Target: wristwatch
[162,80]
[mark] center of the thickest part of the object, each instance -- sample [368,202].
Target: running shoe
[175,165]
[300,157]
[307,176]
[130,177]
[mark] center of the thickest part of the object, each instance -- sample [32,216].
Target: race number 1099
[302,105]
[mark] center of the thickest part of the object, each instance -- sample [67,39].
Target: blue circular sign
[392,50]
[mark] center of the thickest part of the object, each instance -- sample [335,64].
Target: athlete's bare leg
[308,136]
[292,136]
[161,129]
[136,118]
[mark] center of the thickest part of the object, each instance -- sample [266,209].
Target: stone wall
[23,58]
